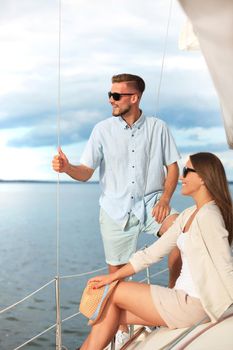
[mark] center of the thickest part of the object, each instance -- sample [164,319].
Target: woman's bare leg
[130,303]
[112,269]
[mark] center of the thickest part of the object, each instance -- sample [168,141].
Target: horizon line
[45,181]
[62,181]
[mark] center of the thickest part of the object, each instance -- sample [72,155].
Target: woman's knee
[126,292]
[119,292]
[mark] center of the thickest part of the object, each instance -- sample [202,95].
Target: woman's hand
[101,281]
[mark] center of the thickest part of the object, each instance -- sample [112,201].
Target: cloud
[209,147]
[186,116]
[198,139]
[73,128]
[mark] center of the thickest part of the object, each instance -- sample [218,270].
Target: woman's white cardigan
[208,253]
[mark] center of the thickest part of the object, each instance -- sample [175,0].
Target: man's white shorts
[120,243]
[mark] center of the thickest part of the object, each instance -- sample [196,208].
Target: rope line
[35,337]
[170,345]
[195,336]
[57,285]
[45,331]
[163,58]
[27,297]
[58,137]
[84,273]
[155,274]
[71,316]
[158,96]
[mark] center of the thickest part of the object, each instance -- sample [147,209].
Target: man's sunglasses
[116,96]
[187,170]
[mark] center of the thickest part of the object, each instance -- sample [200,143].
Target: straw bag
[93,300]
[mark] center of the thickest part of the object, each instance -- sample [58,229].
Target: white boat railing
[56,280]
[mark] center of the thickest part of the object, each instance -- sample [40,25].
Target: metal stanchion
[113,344]
[131,330]
[58,315]
[148,275]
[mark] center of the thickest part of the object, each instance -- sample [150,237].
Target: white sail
[212,22]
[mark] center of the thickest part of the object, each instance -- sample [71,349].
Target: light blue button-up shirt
[131,163]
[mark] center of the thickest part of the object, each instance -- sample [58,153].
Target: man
[131,151]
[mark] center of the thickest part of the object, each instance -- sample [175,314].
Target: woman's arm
[162,247]
[122,273]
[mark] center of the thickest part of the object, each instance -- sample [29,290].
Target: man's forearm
[79,172]
[170,181]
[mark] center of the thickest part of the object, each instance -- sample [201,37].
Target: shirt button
[132,135]
[131,197]
[133,166]
[132,150]
[132,182]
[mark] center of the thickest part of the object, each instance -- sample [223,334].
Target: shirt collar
[137,124]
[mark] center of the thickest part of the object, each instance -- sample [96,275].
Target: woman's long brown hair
[211,170]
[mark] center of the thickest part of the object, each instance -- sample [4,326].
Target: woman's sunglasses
[187,170]
[116,96]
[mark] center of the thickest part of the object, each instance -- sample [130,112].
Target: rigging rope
[163,59]
[27,297]
[58,308]
[58,138]
[84,273]
[158,97]
[155,274]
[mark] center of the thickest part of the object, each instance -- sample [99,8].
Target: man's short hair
[136,81]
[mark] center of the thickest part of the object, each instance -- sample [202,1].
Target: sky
[99,38]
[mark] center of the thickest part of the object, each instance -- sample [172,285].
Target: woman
[204,289]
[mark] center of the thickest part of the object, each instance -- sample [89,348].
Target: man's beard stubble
[122,112]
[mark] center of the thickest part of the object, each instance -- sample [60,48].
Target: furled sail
[212,22]
[188,40]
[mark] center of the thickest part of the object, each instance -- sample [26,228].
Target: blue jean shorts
[120,243]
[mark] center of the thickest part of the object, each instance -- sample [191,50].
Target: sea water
[47,230]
